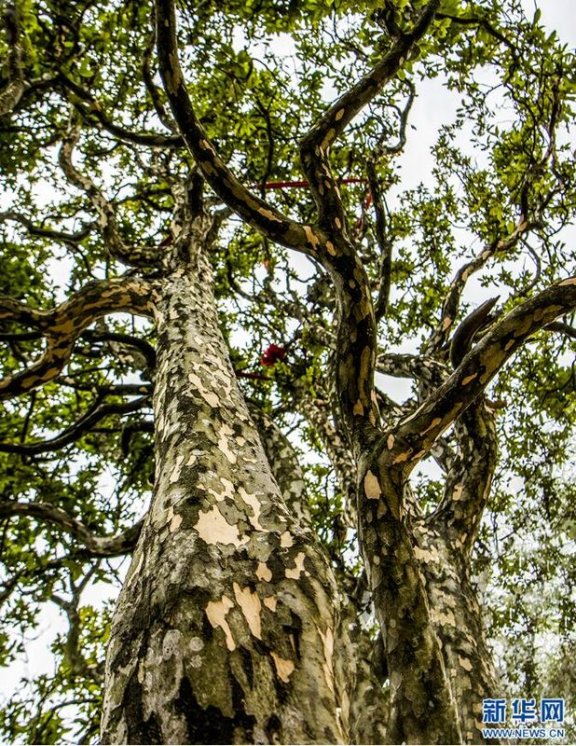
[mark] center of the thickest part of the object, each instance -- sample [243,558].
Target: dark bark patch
[247,665]
[273,728]
[210,725]
[139,730]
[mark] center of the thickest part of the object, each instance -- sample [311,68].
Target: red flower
[272,355]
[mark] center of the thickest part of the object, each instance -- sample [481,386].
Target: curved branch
[315,146]
[451,302]
[76,430]
[470,477]
[145,348]
[566,329]
[414,436]
[252,209]
[62,325]
[71,239]
[138,256]
[99,546]
[384,243]
[95,111]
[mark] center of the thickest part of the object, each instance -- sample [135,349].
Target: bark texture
[225,629]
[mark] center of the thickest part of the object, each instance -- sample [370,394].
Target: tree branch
[79,428]
[137,256]
[451,302]
[71,239]
[315,146]
[252,209]
[94,111]
[62,325]
[99,546]
[470,477]
[414,436]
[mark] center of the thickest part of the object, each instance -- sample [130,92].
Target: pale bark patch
[443,617]
[250,605]
[372,486]
[286,540]
[327,667]
[213,528]
[176,471]
[465,663]
[271,602]
[263,572]
[469,379]
[216,612]
[175,523]
[298,568]
[358,408]
[253,502]
[426,555]
[284,667]
[208,396]
[223,443]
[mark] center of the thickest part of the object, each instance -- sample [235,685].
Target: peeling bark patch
[175,475]
[271,602]
[402,457]
[250,605]
[327,667]
[469,379]
[253,502]
[358,408]
[225,431]
[465,663]
[216,612]
[213,528]
[298,568]
[435,422]
[208,396]
[284,667]
[175,523]
[372,486]
[263,572]
[286,540]
[311,237]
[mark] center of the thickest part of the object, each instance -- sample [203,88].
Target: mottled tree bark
[225,629]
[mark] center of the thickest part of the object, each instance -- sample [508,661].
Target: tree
[244,271]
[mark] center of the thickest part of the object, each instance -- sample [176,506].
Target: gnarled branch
[62,325]
[98,546]
[414,436]
[315,146]
[79,428]
[252,209]
[138,256]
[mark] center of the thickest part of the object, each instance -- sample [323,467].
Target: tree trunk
[225,629]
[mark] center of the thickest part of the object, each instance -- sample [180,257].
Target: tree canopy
[435,332]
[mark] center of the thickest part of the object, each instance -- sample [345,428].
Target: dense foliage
[86,131]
